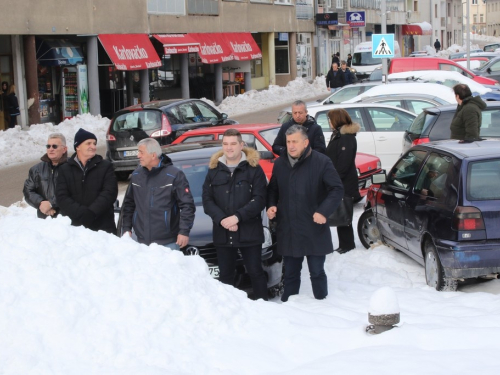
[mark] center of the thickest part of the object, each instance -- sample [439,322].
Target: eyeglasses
[53,146]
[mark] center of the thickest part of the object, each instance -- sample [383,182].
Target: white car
[382,127]
[442,91]
[344,93]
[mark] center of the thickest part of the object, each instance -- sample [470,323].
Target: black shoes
[342,251]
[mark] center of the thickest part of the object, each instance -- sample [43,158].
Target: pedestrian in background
[234,195]
[348,75]
[437,45]
[4,105]
[86,187]
[40,186]
[336,58]
[303,192]
[335,78]
[342,152]
[466,123]
[349,60]
[169,220]
[13,105]
[300,117]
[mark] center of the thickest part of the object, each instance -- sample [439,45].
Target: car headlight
[268,240]
[353,70]
[379,164]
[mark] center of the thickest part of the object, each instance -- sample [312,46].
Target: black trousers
[346,237]
[293,267]
[252,259]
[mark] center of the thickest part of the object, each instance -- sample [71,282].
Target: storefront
[413,29]
[217,64]
[132,54]
[62,79]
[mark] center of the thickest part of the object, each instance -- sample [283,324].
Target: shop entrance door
[303,53]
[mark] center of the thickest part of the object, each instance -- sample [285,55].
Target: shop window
[176,7]
[256,65]
[303,55]
[282,54]
[340,4]
[205,7]
[304,10]
[284,2]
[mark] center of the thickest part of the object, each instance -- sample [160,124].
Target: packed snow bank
[75,302]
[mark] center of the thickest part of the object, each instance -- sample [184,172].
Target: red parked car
[261,137]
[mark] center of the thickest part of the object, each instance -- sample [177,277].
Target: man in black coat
[300,117]
[348,75]
[437,45]
[40,186]
[86,186]
[170,218]
[335,79]
[234,195]
[304,191]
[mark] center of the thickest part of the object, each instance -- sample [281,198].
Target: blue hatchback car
[440,205]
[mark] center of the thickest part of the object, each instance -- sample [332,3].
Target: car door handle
[381,139]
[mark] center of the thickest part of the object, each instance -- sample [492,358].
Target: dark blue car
[440,204]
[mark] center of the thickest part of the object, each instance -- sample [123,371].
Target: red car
[261,137]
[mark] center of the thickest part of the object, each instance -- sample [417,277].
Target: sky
[73,301]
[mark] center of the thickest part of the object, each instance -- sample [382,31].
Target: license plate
[214,271]
[130,153]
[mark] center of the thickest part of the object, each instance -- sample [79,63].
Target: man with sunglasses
[40,186]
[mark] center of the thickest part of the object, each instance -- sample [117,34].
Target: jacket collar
[252,157]
[63,160]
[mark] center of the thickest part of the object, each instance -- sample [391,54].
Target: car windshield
[195,170]
[364,58]
[138,120]
[420,123]
[483,180]
[270,135]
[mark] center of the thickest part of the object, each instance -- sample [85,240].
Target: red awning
[243,46]
[213,48]
[178,43]
[422,28]
[130,51]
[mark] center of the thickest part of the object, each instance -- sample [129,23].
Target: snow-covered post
[383,312]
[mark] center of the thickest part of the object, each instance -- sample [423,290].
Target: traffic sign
[382,45]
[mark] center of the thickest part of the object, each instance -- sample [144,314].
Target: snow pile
[254,100]
[17,145]
[76,302]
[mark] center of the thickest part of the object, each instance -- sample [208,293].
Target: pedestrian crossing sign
[382,45]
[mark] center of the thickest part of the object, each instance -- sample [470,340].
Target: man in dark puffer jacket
[300,117]
[40,186]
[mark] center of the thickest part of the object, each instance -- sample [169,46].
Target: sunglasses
[53,146]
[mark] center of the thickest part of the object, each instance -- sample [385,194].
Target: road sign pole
[384,31]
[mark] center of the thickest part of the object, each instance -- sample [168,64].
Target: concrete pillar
[248,81]
[218,83]
[144,80]
[129,83]
[272,59]
[184,76]
[19,79]
[93,76]
[31,74]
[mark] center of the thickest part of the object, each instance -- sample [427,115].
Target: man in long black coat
[304,191]
[86,186]
[234,195]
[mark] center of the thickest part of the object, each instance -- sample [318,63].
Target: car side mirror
[224,116]
[379,178]
[488,70]
[266,155]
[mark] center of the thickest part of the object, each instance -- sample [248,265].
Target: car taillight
[468,218]
[419,141]
[110,137]
[166,129]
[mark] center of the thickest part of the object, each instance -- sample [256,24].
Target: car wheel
[122,176]
[368,232]
[434,273]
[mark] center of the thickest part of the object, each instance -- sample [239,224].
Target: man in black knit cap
[87,187]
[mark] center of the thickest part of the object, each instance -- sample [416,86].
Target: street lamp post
[383,9]
[468,34]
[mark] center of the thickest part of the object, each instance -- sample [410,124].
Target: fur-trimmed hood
[350,129]
[252,156]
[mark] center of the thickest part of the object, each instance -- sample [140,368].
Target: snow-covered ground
[73,301]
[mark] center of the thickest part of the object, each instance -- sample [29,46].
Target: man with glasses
[40,186]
